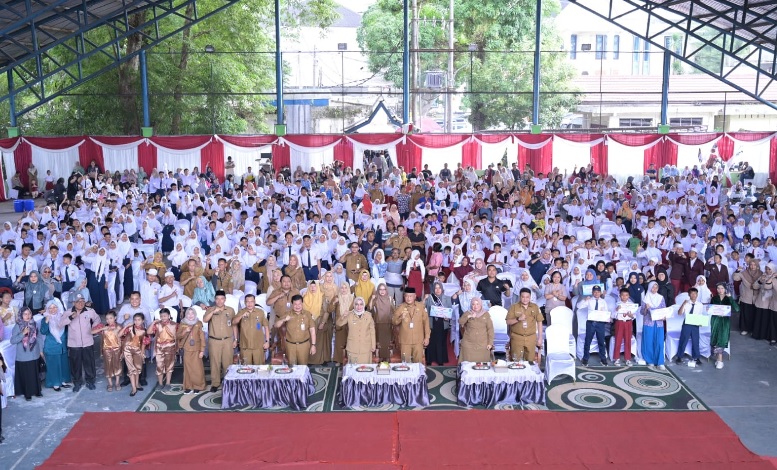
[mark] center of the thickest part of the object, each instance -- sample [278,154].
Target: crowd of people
[359,264]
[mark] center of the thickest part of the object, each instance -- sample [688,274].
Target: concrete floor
[742,393]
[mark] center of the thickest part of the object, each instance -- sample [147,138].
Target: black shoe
[605,363]
[125,383]
[584,362]
[76,388]
[28,398]
[132,394]
[140,389]
[2,439]
[57,389]
[698,362]
[90,386]
[678,361]
[40,395]
[213,389]
[67,385]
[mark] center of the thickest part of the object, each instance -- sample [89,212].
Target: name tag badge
[525,325]
[411,325]
[259,326]
[288,305]
[191,342]
[302,327]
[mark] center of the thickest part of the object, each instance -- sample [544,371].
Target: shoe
[698,362]
[76,388]
[1,439]
[28,398]
[67,385]
[628,363]
[188,392]
[57,389]
[90,386]
[605,363]
[718,364]
[743,333]
[584,362]
[40,395]
[617,362]
[662,367]
[678,361]
[213,389]
[139,389]
[132,394]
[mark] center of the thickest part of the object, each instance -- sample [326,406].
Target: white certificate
[441,312]
[599,315]
[719,310]
[587,289]
[697,319]
[661,313]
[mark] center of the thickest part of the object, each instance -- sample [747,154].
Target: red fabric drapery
[635,140]
[409,156]
[248,140]
[343,152]
[181,142]
[147,157]
[438,141]
[22,158]
[726,144]
[281,157]
[212,155]
[693,139]
[773,159]
[494,138]
[540,160]
[725,148]
[661,154]
[599,155]
[89,151]
[55,143]
[374,139]
[8,143]
[472,155]
[313,140]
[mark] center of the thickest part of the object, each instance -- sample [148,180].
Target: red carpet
[406,440]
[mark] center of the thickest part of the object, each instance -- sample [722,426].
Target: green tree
[500,87]
[190,89]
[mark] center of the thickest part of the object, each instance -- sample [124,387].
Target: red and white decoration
[621,155]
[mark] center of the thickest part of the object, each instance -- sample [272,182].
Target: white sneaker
[743,333]
[662,367]
[617,362]
[628,363]
[718,364]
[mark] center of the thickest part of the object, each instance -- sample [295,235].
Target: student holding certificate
[623,328]
[597,307]
[721,325]
[692,306]
[653,330]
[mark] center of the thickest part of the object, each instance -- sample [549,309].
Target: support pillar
[663,127]
[146,130]
[280,124]
[405,63]
[536,127]
[13,130]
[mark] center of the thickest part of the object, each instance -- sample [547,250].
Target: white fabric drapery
[243,157]
[757,155]
[59,162]
[437,158]
[316,158]
[10,170]
[359,149]
[491,154]
[624,161]
[688,155]
[167,160]
[567,155]
[536,146]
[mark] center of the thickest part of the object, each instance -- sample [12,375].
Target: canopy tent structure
[620,155]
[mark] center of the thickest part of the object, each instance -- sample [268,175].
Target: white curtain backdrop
[167,160]
[567,155]
[60,162]
[757,155]
[491,154]
[358,152]
[436,158]
[311,158]
[688,155]
[120,158]
[624,161]
[10,170]
[244,157]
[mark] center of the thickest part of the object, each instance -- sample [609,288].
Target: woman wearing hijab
[437,351]
[313,302]
[747,279]
[652,331]
[704,292]
[361,333]
[415,273]
[462,270]
[191,338]
[555,295]
[97,278]
[36,293]
[295,272]
[636,290]
[364,287]
[158,263]
[478,333]
[665,287]
[55,346]
[177,259]
[764,326]
[25,337]
[378,265]
[383,309]
[345,301]
[721,326]
[204,294]
[266,272]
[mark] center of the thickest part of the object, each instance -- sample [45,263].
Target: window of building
[616,47]
[573,47]
[645,58]
[601,46]
[685,121]
[635,122]
[635,55]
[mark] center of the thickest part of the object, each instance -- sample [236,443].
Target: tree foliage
[501,68]
[190,90]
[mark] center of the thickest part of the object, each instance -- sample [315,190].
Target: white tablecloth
[469,376]
[300,373]
[394,377]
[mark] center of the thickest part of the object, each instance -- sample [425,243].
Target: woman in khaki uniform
[313,301]
[361,333]
[295,273]
[478,340]
[383,310]
[191,339]
[344,305]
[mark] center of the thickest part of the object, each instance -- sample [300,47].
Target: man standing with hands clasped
[300,333]
[219,319]
[80,342]
[690,306]
[525,322]
[414,329]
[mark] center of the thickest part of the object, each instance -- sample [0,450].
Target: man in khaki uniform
[189,277]
[254,332]
[400,241]
[354,262]
[361,333]
[525,322]
[414,330]
[300,333]
[280,301]
[219,320]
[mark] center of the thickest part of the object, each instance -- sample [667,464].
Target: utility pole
[449,84]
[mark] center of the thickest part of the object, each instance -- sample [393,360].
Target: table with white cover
[489,388]
[370,389]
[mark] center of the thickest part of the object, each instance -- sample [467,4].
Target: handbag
[41,369]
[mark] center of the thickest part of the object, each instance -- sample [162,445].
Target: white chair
[186,301]
[622,348]
[261,302]
[233,302]
[562,317]
[499,318]
[582,318]
[558,360]
[200,314]
[250,287]
[507,276]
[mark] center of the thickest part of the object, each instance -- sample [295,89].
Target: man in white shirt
[690,306]
[23,265]
[311,261]
[594,303]
[6,268]
[170,295]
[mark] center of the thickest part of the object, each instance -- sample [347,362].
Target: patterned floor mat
[596,389]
